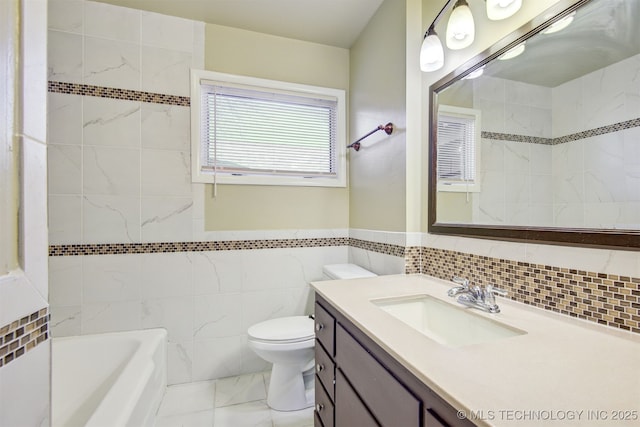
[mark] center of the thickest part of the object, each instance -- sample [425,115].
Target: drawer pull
[319,368]
[319,327]
[319,407]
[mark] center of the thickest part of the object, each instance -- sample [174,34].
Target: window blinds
[267,132]
[456,149]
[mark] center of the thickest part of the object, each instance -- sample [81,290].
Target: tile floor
[229,402]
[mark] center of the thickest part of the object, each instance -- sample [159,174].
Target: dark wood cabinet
[358,384]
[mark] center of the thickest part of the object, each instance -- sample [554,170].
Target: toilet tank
[344,271]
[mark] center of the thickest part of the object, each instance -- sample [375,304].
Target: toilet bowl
[288,343]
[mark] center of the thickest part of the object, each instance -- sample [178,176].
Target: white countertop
[562,372]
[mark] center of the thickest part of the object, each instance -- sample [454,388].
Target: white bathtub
[108,380]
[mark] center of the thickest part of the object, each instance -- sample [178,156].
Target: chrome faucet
[475,296]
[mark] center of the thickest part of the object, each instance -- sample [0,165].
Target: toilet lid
[290,329]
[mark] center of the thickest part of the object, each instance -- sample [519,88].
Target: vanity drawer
[351,411]
[324,406]
[325,370]
[389,401]
[325,329]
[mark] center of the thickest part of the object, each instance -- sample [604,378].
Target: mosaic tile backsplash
[22,335]
[606,299]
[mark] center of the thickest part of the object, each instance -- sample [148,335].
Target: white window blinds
[250,131]
[457,148]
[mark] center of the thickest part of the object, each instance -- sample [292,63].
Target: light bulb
[431,52]
[460,28]
[502,9]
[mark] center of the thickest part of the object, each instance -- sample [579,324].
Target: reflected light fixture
[513,52]
[560,25]
[502,9]
[460,31]
[460,28]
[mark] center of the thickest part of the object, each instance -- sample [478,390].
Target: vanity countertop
[563,371]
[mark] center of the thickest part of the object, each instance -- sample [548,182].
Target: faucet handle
[496,291]
[461,281]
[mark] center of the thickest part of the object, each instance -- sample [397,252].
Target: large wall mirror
[538,138]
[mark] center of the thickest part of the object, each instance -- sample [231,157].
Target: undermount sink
[445,323]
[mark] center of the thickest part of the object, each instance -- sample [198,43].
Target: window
[458,144]
[254,131]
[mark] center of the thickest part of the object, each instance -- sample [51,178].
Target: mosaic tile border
[22,335]
[616,127]
[413,260]
[165,247]
[606,299]
[381,248]
[115,93]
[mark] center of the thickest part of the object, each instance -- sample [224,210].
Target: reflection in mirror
[558,117]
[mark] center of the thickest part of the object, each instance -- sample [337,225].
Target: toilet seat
[283,330]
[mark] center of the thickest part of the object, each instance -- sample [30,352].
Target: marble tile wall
[124,214]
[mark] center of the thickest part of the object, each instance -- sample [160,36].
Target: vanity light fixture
[460,28]
[460,31]
[560,25]
[513,52]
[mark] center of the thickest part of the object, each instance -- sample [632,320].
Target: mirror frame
[584,237]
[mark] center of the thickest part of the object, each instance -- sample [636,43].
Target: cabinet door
[389,401]
[350,411]
[433,420]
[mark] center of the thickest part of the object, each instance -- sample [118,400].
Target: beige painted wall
[378,88]
[240,207]
[487,33]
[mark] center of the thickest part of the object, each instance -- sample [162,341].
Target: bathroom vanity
[359,384]
[376,369]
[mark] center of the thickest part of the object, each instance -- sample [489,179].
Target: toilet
[288,343]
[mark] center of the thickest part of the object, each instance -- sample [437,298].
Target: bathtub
[108,380]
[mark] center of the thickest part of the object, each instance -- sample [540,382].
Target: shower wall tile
[166,71]
[110,22]
[166,173]
[176,315]
[166,219]
[65,219]
[111,63]
[179,362]
[66,15]
[217,358]
[66,176]
[166,275]
[64,57]
[167,32]
[110,316]
[166,127]
[217,316]
[110,219]
[64,119]
[218,272]
[111,122]
[111,278]
[66,274]
[111,171]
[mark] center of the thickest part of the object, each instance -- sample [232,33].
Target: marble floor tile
[189,419]
[188,398]
[303,418]
[252,414]
[240,389]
